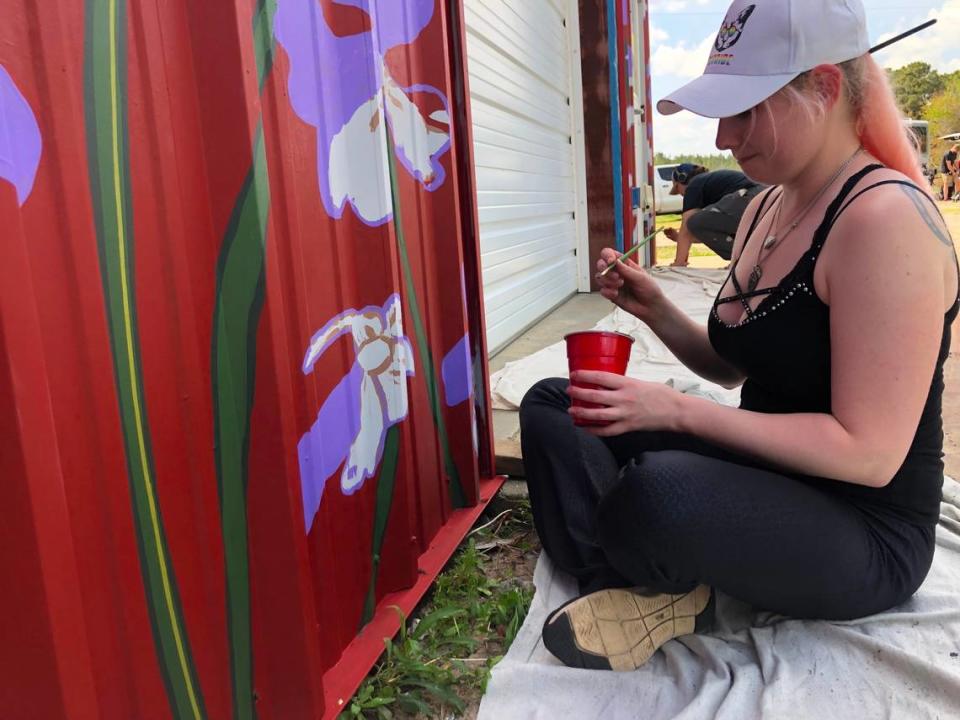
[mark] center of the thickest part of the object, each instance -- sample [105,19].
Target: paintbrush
[901,36]
[628,253]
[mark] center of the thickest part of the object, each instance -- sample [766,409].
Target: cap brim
[715,95]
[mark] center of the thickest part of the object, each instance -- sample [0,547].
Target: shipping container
[244,399]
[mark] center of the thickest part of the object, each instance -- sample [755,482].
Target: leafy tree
[914,85]
[943,114]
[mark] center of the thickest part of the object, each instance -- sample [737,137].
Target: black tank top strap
[836,207]
[744,296]
[843,201]
[920,192]
[740,295]
[757,217]
[887,182]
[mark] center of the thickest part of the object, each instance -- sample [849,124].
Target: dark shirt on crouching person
[710,187]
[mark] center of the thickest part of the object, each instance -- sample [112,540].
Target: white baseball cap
[763,45]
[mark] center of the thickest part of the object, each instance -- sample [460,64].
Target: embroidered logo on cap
[730,32]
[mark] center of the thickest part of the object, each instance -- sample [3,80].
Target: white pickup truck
[663,201]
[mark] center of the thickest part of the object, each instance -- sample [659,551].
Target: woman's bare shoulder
[898,208]
[890,234]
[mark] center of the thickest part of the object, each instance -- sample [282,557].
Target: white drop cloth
[692,290]
[901,664]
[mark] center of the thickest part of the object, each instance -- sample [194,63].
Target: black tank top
[783,349]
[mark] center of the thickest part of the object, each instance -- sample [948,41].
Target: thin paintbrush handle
[901,36]
[629,252]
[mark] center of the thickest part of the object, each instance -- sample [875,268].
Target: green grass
[441,659]
[668,219]
[667,249]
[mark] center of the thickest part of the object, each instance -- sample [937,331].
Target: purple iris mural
[342,86]
[353,421]
[457,373]
[20,142]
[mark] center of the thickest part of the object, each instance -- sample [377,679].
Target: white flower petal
[322,340]
[412,136]
[358,171]
[393,383]
[375,355]
[366,327]
[404,352]
[394,314]
[366,449]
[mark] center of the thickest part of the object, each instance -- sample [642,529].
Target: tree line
[724,161]
[925,94]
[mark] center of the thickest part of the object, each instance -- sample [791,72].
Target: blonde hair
[879,123]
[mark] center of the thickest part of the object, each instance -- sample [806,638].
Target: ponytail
[880,124]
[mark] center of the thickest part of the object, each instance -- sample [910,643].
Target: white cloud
[669,6]
[673,65]
[658,34]
[681,61]
[675,6]
[684,133]
[936,45]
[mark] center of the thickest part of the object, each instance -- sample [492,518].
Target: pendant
[754,278]
[770,242]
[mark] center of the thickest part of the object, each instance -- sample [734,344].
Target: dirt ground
[951,370]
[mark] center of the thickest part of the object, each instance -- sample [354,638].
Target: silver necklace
[773,240]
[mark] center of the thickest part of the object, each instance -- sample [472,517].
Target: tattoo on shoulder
[933,220]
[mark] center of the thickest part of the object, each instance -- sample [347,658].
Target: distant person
[948,171]
[713,203]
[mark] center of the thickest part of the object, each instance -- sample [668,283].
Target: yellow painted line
[128,331]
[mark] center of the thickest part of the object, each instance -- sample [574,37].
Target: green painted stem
[237,310]
[105,78]
[386,482]
[263,38]
[241,280]
[457,497]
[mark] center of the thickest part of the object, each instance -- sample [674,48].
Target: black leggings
[716,225]
[667,512]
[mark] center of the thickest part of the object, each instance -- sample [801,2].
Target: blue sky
[682,31]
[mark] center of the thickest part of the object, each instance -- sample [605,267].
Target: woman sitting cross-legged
[818,496]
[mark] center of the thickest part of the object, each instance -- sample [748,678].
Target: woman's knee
[644,525]
[653,505]
[549,394]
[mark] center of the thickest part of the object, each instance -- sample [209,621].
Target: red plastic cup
[596,350]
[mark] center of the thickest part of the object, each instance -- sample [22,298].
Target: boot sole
[619,629]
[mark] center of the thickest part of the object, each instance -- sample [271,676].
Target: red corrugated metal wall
[240,376]
[604,184]
[628,121]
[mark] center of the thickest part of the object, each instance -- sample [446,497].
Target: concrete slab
[580,312]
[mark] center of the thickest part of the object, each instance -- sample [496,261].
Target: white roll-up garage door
[526,102]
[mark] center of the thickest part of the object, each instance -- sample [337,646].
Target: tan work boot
[621,628]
